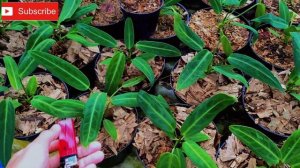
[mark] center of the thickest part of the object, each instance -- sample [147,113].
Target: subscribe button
[30,11]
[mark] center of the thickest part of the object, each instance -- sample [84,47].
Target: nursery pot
[33,136]
[173,39]
[194,4]
[144,23]
[114,29]
[272,134]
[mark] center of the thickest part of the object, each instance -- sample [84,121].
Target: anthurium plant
[185,138]
[263,147]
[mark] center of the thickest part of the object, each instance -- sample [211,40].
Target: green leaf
[145,68]
[195,69]
[38,36]
[125,100]
[157,113]
[260,11]
[129,33]
[297,96]
[216,5]
[133,81]
[83,10]
[255,33]
[105,62]
[254,69]
[7,126]
[80,39]
[27,65]
[198,137]
[69,8]
[186,35]
[114,72]
[168,160]
[261,145]
[93,114]
[273,20]
[12,72]
[62,69]
[158,48]
[197,155]
[32,86]
[3,89]
[226,45]
[43,103]
[170,2]
[227,70]
[178,152]
[39,23]
[96,35]
[16,103]
[284,12]
[68,108]
[296,48]
[110,129]
[147,56]
[205,112]
[229,3]
[291,149]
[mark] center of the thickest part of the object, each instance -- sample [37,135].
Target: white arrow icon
[6,11]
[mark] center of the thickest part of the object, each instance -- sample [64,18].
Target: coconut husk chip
[28,119]
[277,111]
[272,6]
[205,24]
[13,43]
[235,155]
[130,70]
[141,6]
[212,84]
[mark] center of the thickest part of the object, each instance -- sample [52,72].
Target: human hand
[36,154]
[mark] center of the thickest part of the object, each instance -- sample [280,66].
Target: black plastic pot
[144,23]
[33,136]
[173,40]
[146,89]
[272,134]
[194,4]
[115,29]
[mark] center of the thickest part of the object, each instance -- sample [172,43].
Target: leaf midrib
[199,156]
[92,116]
[157,48]
[119,60]
[112,44]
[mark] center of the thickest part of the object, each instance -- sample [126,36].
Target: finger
[91,166]
[54,161]
[53,146]
[48,136]
[94,158]
[93,147]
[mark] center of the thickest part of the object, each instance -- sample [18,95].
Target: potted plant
[144,14]
[184,139]
[274,43]
[133,61]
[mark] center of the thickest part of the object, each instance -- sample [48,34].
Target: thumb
[46,137]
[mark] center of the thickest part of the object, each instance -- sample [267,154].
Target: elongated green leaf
[69,8]
[27,65]
[80,39]
[296,48]
[197,155]
[62,69]
[227,70]
[7,126]
[157,113]
[114,72]
[198,137]
[105,62]
[3,89]
[39,23]
[254,69]
[186,35]
[297,96]
[110,129]
[195,69]
[204,113]
[32,86]
[12,72]
[291,149]
[284,12]
[273,20]
[145,68]
[231,3]
[132,82]
[126,99]
[96,35]
[43,103]
[83,11]
[158,48]
[68,108]
[259,144]
[178,152]
[260,11]
[168,160]
[170,2]
[38,36]
[226,45]
[255,33]
[147,56]
[129,33]
[93,114]
[216,5]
